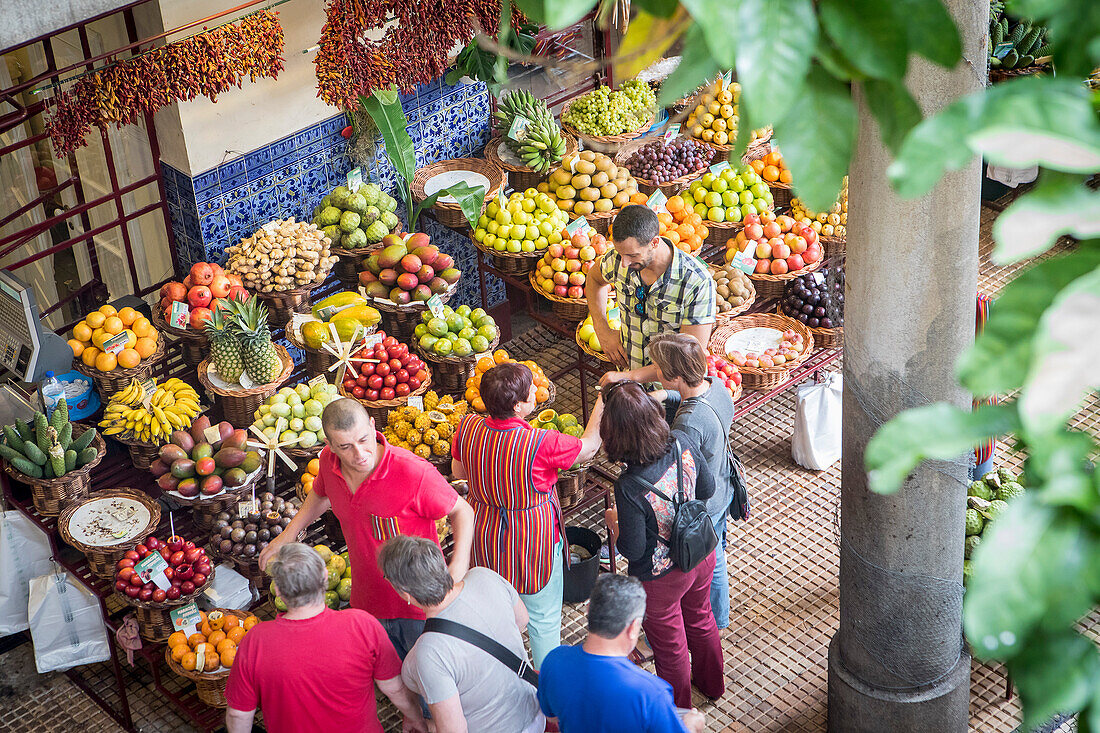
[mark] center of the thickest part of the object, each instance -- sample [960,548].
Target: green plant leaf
[1059,205]
[834,62]
[818,137]
[660,8]
[776,45]
[930,31]
[426,203]
[1065,352]
[1033,567]
[999,360]
[555,14]
[1058,462]
[869,33]
[894,109]
[933,432]
[936,145]
[471,199]
[717,18]
[391,122]
[646,40]
[1055,672]
[696,67]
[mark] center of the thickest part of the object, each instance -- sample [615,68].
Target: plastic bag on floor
[66,623]
[818,423]
[24,554]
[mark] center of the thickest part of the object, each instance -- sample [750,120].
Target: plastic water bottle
[52,391]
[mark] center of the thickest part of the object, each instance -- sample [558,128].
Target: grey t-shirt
[493,697]
[709,432]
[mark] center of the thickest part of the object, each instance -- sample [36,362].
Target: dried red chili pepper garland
[206,64]
[412,51]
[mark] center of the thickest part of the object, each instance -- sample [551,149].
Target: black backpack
[693,537]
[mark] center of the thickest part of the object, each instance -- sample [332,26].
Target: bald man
[378,491]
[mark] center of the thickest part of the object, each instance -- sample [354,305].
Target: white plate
[446,179]
[756,340]
[109,521]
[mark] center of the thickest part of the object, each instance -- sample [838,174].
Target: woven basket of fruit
[545,391]
[782,248]
[427,432]
[609,144]
[585,345]
[514,236]
[568,309]
[510,263]
[669,167]
[282,304]
[218,650]
[452,342]
[191,574]
[768,163]
[589,184]
[116,378]
[570,483]
[440,175]
[240,403]
[522,177]
[106,525]
[401,320]
[530,148]
[817,300]
[725,197]
[317,361]
[764,347]
[736,292]
[193,343]
[771,286]
[351,262]
[23,448]
[380,407]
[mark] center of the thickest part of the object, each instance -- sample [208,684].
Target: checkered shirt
[684,295]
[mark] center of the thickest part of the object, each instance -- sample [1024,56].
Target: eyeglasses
[641,294]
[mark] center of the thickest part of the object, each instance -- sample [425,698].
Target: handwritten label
[319,379]
[152,568]
[116,343]
[819,278]
[248,506]
[355,179]
[180,314]
[435,305]
[417,401]
[657,201]
[518,130]
[672,131]
[270,226]
[246,381]
[212,434]
[577,225]
[149,387]
[371,340]
[186,618]
[719,167]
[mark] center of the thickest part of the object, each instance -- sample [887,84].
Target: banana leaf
[470,200]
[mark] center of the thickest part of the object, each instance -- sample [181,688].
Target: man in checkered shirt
[658,289]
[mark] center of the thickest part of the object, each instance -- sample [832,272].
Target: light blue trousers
[544,610]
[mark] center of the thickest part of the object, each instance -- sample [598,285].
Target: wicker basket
[510,263]
[588,349]
[400,321]
[718,233]
[781,192]
[824,338]
[833,246]
[317,361]
[239,405]
[118,379]
[249,567]
[723,318]
[350,263]
[607,144]
[771,286]
[567,309]
[52,495]
[194,344]
[601,221]
[722,152]
[102,558]
[669,188]
[282,303]
[570,484]
[142,454]
[210,686]
[762,378]
[520,178]
[449,373]
[154,623]
[206,508]
[996,75]
[447,213]
[378,409]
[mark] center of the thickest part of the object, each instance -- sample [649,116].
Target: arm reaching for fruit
[590,438]
[312,508]
[701,332]
[596,289]
[404,700]
[461,518]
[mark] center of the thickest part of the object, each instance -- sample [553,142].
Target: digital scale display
[19,327]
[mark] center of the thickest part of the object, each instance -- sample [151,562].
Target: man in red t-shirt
[378,491]
[312,669]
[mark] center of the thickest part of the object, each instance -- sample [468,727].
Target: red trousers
[680,629]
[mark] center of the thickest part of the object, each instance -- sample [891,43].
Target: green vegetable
[57,459]
[24,429]
[10,453]
[65,435]
[1026,60]
[12,435]
[86,456]
[1043,50]
[84,440]
[26,467]
[996,34]
[41,439]
[1018,33]
[60,415]
[33,452]
[47,471]
[70,460]
[1011,59]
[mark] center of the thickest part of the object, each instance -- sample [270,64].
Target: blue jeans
[544,611]
[720,581]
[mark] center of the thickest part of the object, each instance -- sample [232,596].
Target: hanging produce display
[206,64]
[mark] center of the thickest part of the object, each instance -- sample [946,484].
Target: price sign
[246,381]
[319,379]
[116,343]
[657,201]
[246,507]
[212,434]
[1001,49]
[672,131]
[727,78]
[149,386]
[719,167]
[152,568]
[186,618]
[573,163]
[501,201]
[748,264]
[417,401]
[435,305]
[819,278]
[355,179]
[738,258]
[326,313]
[518,130]
[179,316]
[270,226]
[376,338]
[577,225]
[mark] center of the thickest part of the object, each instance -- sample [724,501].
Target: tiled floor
[783,566]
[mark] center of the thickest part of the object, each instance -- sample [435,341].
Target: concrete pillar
[897,663]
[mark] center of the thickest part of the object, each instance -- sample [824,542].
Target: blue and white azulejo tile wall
[288,177]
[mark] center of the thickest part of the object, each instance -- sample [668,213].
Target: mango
[315,334]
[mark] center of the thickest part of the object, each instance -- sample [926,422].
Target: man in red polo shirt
[312,669]
[378,491]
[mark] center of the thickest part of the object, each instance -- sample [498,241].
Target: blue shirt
[589,693]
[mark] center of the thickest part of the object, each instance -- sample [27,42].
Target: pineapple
[261,361]
[224,348]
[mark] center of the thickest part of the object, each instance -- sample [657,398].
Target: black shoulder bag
[739,493]
[693,537]
[493,648]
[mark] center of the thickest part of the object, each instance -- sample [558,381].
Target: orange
[76,346]
[205,629]
[195,639]
[143,327]
[486,363]
[639,198]
[113,325]
[225,644]
[216,637]
[542,394]
[674,204]
[82,332]
[314,466]
[205,648]
[176,639]
[213,661]
[202,617]
[476,381]
[98,337]
[231,622]
[105,362]
[250,622]
[770,173]
[478,404]
[785,176]
[145,347]
[673,236]
[500,356]
[180,651]
[236,634]
[88,356]
[229,656]
[471,394]
[108,310]
[95,319]
[128,315]
[757,165]
[188,661]
[131,338]
[128,358]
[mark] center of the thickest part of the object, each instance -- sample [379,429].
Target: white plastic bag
[818,423]
[24,554]
[229,589]
[66,623]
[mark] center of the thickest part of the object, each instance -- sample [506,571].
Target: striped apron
[514,524]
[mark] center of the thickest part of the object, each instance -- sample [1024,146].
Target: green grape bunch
[606,112]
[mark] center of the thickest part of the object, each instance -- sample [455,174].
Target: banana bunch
[135,414]
[1027,42]
[541,144]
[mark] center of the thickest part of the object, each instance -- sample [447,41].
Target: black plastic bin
[581,576]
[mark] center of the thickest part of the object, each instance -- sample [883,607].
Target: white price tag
[186,618]
[501,201]
[319,379]
[577,225]
[435,305]
[246,381]
[374,338]
[719,167]
[116,343]
[819,278]
[738,258]
[270,226]
[246,507]
[657,201]
[212,434]
[355,179]
[518,130]
[180,313]
[417,401]
[152,568]
[671,133]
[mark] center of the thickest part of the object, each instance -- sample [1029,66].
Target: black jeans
[403,633]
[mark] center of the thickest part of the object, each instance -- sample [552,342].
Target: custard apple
[356,203]
[390,220]
[1009,491]
[349,221]
[971,544]
[996,508]
[387,202]
[967,571]
[339,196]
[370,215]
[1006,476]
[974,522]
[980,489]
[376,231]
[371,193]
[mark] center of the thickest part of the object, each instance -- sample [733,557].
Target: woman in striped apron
[512,468]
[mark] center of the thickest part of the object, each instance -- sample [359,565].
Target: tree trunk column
[897,662]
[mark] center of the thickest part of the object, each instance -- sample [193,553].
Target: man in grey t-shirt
[464,687]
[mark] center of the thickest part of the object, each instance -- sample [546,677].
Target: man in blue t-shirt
[595,688]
